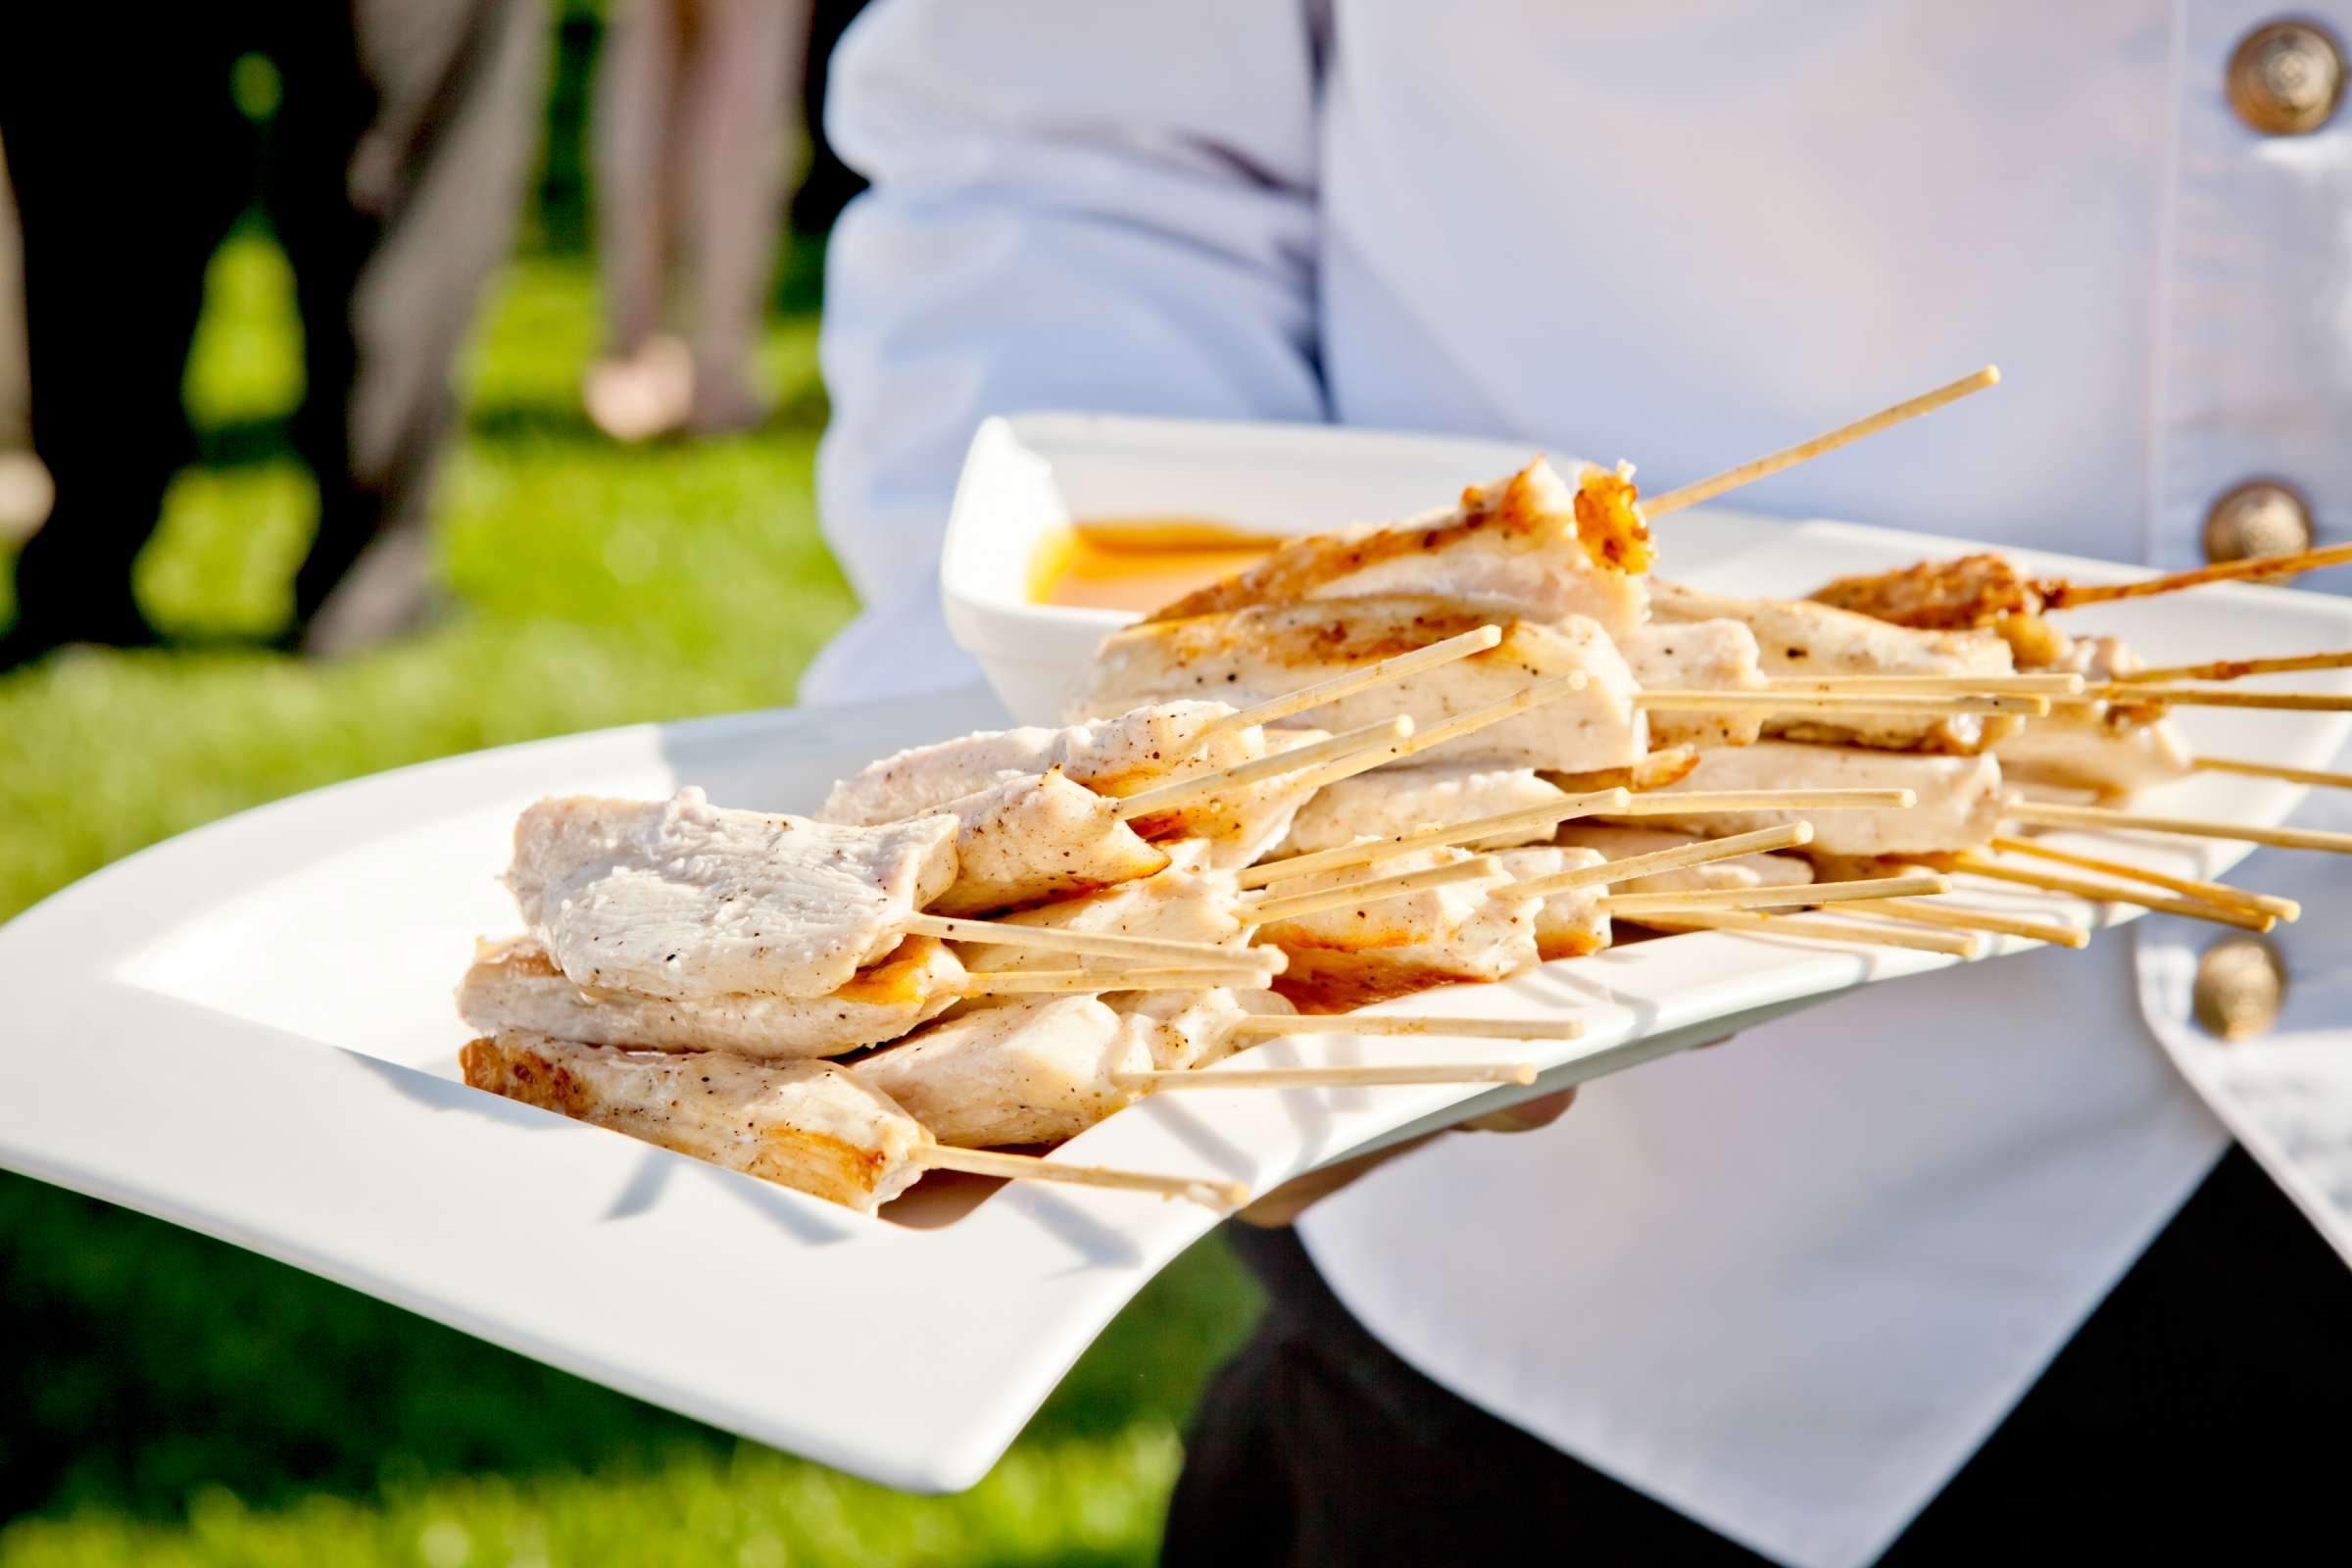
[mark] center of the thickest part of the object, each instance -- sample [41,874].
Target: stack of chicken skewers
[1466,744]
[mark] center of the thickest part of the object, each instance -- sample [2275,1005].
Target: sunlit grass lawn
[166,1399]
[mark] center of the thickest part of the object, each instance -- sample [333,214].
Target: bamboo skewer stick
[2294,775]
[1347,1077]
[1520,701]
[1056,982]
[2221,892]
[2067,595]
[1764,840]
[2135,695]
[1526,819]
[1790,700]
[2102,893]
[1680,802]
[1219,1195]
[1690,495]
[1194,788]
[1349,682]
[1372,890]
[1957,945]
[2238,668]
[1053,939]
[1386,1024]
[2045,685]
[2046,814]
[1634,905]
[2063,936]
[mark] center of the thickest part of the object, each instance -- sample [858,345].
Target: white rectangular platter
[249,1030]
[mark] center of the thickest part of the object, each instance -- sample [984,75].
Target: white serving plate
[248,1030]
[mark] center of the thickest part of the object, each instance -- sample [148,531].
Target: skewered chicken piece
[1701,655]
[1252,654]
[1011,1073]
[1972,593]
[1185,1029]
[1572,921]
[2110,748]
[1030,841]
[1394,800]
[1045,1071]
[1042,1072]
[2114,755]
[1616,842]
[1988,590]
[1579,902]
[1115,758]
[2107,748]
[1797,637]
[680,899]
[516,986]
[1958,808]
[1188,901]
[1528,545]
[807,1125]
[1367,949]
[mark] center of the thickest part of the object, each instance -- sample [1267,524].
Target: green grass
[167,1400]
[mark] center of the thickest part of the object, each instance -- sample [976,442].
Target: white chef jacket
[1789,1286]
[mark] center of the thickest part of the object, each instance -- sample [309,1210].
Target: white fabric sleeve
[1076,204]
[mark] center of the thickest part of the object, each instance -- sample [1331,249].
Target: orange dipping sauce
[1138,562]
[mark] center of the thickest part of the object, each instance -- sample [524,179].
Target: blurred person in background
[693,114]
[393,177]
[1953,1270]
[24,488]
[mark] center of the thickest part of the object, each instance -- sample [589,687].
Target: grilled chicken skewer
[806,1125]
[1040,1072]
[1986,590]
[1266,650]
[682,901]
[2120,742]
[1031,841]
[1034,840]
[1395,801]
[1115,758]
[1189,903]
[1670,852]
[1958,798]
[1796,637]
[1528,545]
[1381,942]
[516,986]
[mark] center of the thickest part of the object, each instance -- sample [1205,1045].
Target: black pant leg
[130,161]
[2192,1412]
[326,108]
[398,176]
[1317,1446]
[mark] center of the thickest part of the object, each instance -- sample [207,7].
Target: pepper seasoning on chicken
[1527,543]
[1116,756]
[2104,747]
